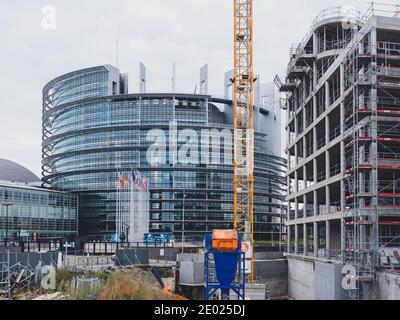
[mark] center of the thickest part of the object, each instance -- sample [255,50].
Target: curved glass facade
[91,134]
[46,213]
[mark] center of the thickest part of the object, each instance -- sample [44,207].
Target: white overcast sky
[157,32]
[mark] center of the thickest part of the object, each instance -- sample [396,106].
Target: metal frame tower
[361,219]
[244,124]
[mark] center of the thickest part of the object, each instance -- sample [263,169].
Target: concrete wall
[309,280]
[191,273]
[270,269]
[323,281]
[389,286]
[191,269]
[274,274]
[328,281]
[301,279]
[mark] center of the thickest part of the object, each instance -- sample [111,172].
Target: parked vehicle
[151,238]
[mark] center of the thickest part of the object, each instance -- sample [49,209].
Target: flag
[126,182]
[145,184]
[136,178]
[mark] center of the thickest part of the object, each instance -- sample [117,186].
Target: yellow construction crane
[243,99]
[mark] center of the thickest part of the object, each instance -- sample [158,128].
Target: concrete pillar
[343,237]
[296,239]
[305,240]
[362,187]
[315,43]
[315,49]
[315,137]
[315,169]
[305,205]
[287,126]
[296,181]
[289,239]
[328,199]
[342,79]
[363,237]
[296,208]
[315,203]
[315,111]
[328,239]
[327,97]
[327,128]
[374,134]
[328,164]
[342,197]
[316,240]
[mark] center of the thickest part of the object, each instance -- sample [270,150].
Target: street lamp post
[128,228]
[183,224]
[7,204]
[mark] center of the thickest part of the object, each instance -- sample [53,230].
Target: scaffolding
[5,277]
[372,144]
[15,277]
[343,106]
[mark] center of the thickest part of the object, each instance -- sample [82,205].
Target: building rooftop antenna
[117,52]
[173,76]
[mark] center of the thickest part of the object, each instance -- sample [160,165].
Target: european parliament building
[28,211]
[93,129]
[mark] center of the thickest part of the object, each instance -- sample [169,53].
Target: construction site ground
[136,283]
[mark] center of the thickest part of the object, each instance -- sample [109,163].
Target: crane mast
[244,125]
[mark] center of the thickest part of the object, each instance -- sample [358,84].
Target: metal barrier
[30,246]
[109,248]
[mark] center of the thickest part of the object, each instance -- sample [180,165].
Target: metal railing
[81,261]
[393,72]
[32,246]
[389,155]
[335,133]
[310,151]
[321,176]
[331,45]
[389,186]
[321,143]
[310,181]
[109,248]
[335,207]
[335,12]
[335,170]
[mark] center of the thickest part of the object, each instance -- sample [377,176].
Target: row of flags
[136,179]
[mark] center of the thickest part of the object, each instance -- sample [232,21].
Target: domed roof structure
[11,171]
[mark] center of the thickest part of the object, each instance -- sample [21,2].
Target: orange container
[225,240]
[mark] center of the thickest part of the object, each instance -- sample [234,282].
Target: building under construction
[343,147]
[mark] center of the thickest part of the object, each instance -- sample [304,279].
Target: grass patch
[125,286]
